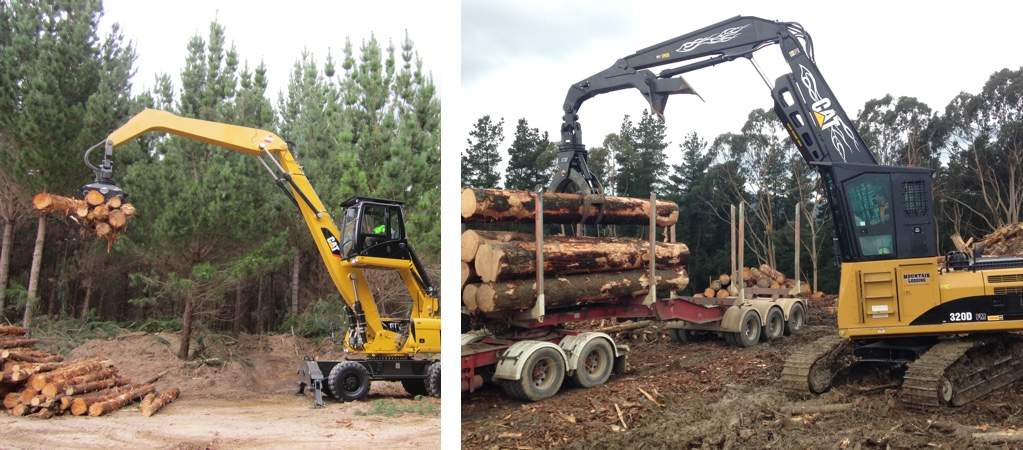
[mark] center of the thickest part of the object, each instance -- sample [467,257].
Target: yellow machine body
[918,297]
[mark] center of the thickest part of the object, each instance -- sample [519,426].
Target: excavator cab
[373,227]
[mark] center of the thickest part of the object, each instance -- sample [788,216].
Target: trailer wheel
[749,330]
[595,363]
[797,318]
[433,379]
[349,381]
[775,326]
[542,375]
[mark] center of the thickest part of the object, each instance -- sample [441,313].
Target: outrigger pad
[309,374]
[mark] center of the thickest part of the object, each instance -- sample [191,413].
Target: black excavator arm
[885,213]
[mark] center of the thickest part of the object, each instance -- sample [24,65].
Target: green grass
[389,407]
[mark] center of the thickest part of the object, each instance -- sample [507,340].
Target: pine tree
[481,156]
[640,156]
[530,157]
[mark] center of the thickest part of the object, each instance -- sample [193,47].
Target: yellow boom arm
[346,274]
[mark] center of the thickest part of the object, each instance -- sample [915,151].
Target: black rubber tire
[414,387]
[433,379]
[749,329]
[349,381]
[596,361]
[530,386]
[680,335]
[774,328]
[797,318]
[729,338]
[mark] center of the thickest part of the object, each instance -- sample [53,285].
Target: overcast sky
[272,31]
[519,58]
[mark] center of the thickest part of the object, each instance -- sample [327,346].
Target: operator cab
[376,227]
[373,227]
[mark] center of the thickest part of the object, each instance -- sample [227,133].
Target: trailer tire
[432,380]
[542,376]
[596,360]
[749,329]
[797,318]
[774,328]
[349,381]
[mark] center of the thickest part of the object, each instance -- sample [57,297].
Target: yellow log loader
[947,320]
[371,236]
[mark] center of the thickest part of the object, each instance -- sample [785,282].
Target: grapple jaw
[104,182]
[107,188]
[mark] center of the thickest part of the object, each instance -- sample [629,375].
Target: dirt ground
[709,395]
[239,395]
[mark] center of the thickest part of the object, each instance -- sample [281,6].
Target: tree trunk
[567,255]
[5,263]
[296,265]
[259,307]
[88,298]
[186,328]
[51,298]
[575,289]
[471,240]
[236,327]
[33,279]
[498,205]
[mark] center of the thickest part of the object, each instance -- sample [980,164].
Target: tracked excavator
[371,237]
[947,320]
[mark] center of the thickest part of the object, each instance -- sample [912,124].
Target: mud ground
[239,395]
[708,395]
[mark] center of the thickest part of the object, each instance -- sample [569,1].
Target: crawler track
[809,370]
[957,372]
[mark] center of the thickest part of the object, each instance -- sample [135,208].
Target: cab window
[348,230]
[869,198]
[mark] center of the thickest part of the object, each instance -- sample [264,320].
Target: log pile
[1004,241]
[104,218]
[41,384]
[499,267]
[763,276]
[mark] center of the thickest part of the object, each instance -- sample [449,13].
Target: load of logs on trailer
[763,276]
[499,267]
[41,384]
[97,215]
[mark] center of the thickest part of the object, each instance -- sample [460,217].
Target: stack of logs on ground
[499,267]
[105,218]
[41,384]
[763,276]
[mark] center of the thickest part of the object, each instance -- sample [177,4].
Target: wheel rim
[749,330]
[541,373]
[351,383]
[777,323]
[594,362]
